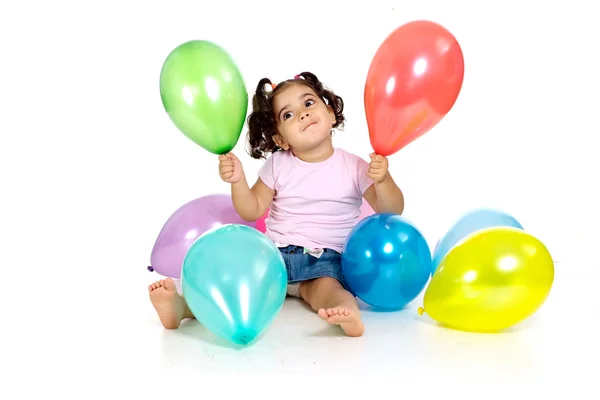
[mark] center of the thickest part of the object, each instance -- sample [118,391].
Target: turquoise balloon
[467,224]
[234,281]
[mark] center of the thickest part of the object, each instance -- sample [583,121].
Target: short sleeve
[364,182]
[266,174]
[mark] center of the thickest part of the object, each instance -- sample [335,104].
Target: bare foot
[347,318]
[169,305]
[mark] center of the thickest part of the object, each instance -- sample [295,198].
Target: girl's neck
[317,154]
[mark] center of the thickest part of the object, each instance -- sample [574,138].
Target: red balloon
[413,82]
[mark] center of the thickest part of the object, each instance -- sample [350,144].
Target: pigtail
[261,122]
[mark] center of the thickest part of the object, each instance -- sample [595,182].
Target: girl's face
[304,121]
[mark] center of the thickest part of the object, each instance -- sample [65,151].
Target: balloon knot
[150,268]
[420,310]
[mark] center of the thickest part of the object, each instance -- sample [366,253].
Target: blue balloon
[234,281]
[469,223]
[386,261]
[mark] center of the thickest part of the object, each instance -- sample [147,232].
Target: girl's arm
[251,203]
[385,197]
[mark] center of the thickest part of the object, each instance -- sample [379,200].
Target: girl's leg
[170,306]
[333,304]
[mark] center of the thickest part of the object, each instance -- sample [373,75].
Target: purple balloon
[185,225]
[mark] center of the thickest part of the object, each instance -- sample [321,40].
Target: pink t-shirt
[316,205]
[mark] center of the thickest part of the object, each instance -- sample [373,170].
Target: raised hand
[378,168]
[230,168]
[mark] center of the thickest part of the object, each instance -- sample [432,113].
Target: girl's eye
[288,114]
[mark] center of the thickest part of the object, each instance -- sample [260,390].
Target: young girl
[313,189]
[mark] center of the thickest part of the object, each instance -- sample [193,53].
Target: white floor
[120,341]
[547,349]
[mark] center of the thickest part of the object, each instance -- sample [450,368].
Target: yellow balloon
[491,280]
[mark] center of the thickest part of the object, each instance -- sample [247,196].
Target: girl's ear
[280,142]
[331,114]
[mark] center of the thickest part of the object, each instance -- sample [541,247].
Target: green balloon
[204,94]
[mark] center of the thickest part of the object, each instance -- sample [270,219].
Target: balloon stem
[150,268]
[420,310]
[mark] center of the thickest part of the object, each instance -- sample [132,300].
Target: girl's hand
[230,168]
[378,168]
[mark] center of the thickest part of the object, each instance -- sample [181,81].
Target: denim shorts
[302,267]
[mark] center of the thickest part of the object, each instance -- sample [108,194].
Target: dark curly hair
[262,123]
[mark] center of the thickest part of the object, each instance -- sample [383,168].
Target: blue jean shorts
[302,267]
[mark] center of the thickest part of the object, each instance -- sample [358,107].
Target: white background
[92,166]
